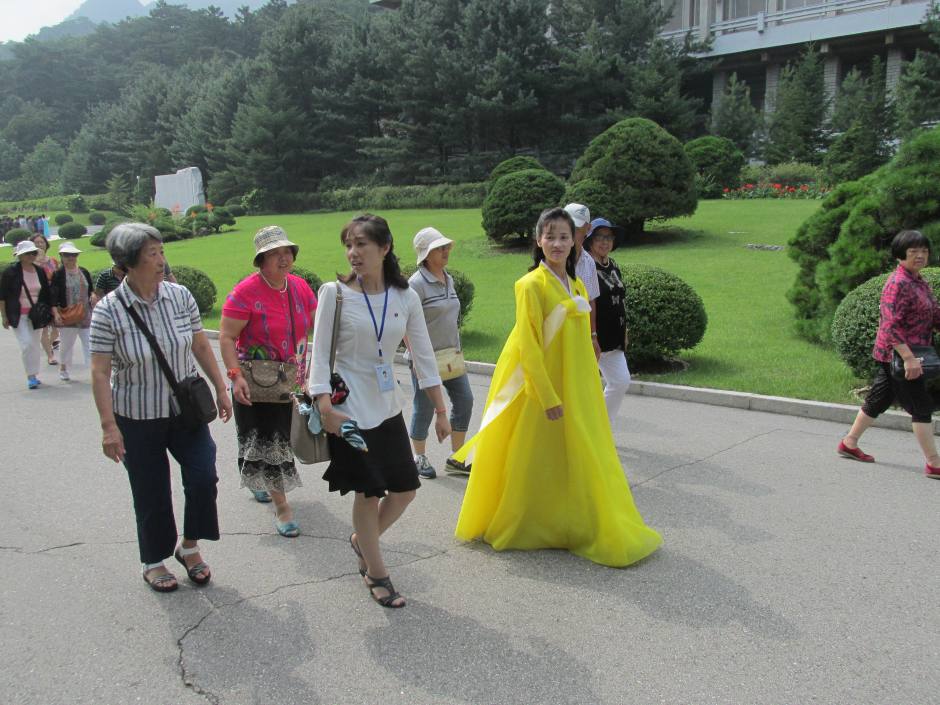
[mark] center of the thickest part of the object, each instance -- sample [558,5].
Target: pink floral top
[268,336]
[909,314]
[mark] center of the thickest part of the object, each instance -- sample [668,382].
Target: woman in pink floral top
[909,316]
[267,316]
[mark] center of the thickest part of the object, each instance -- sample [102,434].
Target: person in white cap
[435,288]
[584,266]
[71,306]
[27,297]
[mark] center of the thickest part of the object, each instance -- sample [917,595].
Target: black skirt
[389,465]
[265,458]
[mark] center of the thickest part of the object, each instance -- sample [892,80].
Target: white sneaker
[64,375]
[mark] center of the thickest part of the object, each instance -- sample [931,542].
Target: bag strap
[290,317]
[32,303]
[164,365]
[336,317]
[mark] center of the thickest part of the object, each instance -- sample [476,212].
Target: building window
[796,4]
[675,21]
[736,9]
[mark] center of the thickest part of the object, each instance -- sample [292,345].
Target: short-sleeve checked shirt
[139,390]
[909,313]
[586,269]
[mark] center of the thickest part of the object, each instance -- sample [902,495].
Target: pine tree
[735,116]
[795,130]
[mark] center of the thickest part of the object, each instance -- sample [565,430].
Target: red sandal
[854,453]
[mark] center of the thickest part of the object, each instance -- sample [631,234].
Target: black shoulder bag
[40,313]
[197,406]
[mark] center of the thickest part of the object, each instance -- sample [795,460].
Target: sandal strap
[166,577]
[187,551]
[198,568]
[386,584]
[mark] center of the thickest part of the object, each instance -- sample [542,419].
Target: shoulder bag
[929,362]
[196,404]
[40,313]
[309,447]
[272,381]
[450,362]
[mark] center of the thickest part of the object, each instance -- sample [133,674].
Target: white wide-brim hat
[68,248]
[429,239]
[270,238]
[25,247]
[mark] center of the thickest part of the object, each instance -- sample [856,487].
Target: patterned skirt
[265,460]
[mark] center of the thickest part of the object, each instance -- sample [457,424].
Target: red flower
[804,187]
[725,189]
[791,189]
[778,186]
[748,186]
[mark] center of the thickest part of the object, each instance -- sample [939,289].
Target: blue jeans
[461,400]
[145,457]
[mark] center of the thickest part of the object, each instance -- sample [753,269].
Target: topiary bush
[72,231]
[855,323]
[718,162]
[308,276]
[76,204]
[513,205]
[16,235]
[97,218]
[62,219]
[593,194]
[236,210]
[511,166]
[199,285]
[100,238]
[646,170]
[463,287]
[664,314]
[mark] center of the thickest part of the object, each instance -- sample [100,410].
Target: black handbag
[929,362]
[40,313]
[193,396]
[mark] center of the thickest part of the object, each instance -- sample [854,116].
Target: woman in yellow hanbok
[546,472]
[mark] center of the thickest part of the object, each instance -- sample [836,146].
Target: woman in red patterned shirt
[909,316]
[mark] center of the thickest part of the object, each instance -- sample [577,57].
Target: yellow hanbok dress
[538,483]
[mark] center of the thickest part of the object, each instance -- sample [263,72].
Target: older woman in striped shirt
[139,414]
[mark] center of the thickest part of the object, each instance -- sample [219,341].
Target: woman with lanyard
[267,316]
[546,473]
[377,309]
[611,313]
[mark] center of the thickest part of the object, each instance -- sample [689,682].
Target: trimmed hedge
[97,218]
[63,218]
[513,205]
[72,231]
[16,235]
[463,287]
[718,162]
[199,285]
[855,323]
[664,314]
[77,204]
[786,174]
[511,166]
[358,198]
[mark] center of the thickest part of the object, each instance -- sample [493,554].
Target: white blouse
[357,349]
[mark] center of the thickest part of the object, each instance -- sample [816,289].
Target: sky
[19,18]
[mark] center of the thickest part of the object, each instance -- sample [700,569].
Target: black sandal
[161,583]
[193,573]
[386,583]
[355,548]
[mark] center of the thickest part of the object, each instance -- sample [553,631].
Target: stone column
[772,80]
[707,13]
[831,70]
[893,67]
[719,82]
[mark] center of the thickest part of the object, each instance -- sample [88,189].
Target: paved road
[787,576]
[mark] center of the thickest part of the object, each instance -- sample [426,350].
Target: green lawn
[749,344]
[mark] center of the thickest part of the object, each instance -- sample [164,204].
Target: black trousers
[148,468]
[912,395]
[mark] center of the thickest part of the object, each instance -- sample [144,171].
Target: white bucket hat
[68,248]
[579,214]
[25,247]
[270,238]
[429,239]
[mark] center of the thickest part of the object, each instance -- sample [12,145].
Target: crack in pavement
[189,682]
[707,457]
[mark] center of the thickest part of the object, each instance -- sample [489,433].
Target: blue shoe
[261,496]
[32,382]
[288,529]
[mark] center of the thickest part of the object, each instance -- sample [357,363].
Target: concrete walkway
[788,575]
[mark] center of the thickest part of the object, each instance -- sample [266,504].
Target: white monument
[179,191]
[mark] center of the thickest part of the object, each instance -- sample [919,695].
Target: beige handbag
[272,381]
[450,363]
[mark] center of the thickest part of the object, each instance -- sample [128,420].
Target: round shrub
[513,205]
[664,314]
[236,210]
[308,276]
[72,231]
[16,235]
[76,204]
[718,161]
[63,218]
[199,285]
[855,323]
[194,209]
[463,287]
[594,195]
[98,239]
[511,166]
[97,218]
[647,172]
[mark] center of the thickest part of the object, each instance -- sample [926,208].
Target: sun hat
[68,248]
[618,232]
[270,238]
[579,214]
[429,239]
[25,247]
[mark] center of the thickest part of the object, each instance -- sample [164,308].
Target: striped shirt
[139,390]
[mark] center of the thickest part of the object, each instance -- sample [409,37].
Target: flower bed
[768,190]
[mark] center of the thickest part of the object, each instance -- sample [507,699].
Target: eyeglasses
[604,238]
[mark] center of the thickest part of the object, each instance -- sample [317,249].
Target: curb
[818,410]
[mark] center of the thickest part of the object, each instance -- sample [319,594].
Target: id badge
[385,377]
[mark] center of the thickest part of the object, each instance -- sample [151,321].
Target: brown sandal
[159,583]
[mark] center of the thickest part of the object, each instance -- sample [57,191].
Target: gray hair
[125,242]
